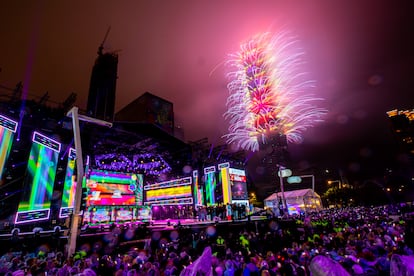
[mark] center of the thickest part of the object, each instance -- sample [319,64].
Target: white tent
[303,200]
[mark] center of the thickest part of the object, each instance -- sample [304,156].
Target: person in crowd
[363,241]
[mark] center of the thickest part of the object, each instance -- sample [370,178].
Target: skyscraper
[102,88]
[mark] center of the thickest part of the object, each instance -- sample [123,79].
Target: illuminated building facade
[150,109]
[402,124]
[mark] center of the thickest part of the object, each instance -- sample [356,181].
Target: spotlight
[15,234]
[178,225]
[56,230]
[37,231]
[85,227]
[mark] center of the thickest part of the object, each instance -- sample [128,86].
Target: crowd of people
[222,212]
[354,241]
[203,213]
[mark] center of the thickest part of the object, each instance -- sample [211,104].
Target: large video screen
[210,184]
[106,188]
[7,129]
[197,190]
[225,182]
[238,184]
[69,186]
[99,215]
[172,192]
[39,180]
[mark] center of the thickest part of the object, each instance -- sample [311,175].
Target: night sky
[358,52]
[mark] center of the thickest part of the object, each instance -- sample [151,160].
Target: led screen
[105,188]
[225,183]
[39,180]
[123,215]
[69,186]
[101,216]
[238,184]
[7,129]
[144,213]
[210,185]
[197,190]
[96,216]
[173,192]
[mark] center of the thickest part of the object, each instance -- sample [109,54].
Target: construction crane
[100,49]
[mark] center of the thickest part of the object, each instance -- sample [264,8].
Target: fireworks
[269,93]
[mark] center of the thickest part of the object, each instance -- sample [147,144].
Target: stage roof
[293,194]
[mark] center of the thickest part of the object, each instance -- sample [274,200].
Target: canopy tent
[303,200]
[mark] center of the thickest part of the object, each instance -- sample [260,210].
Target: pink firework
[269,94]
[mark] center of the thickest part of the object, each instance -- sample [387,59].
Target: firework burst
[269,94]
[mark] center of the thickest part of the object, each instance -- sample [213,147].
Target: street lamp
[336,181]
[74,225]
[298,179]
[335,188]
[283,172]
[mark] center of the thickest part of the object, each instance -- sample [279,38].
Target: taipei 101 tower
[102,88]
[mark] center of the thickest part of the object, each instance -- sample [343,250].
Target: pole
[282,189]
[74,222]
[313,186]
[74,227]
[313,180]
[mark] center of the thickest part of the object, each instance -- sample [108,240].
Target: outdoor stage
[166,225]
[122,237]
[102,229]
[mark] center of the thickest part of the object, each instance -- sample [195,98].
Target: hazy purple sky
[359,53]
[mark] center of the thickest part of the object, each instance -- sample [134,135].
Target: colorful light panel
[140,189]
[210,184]
[100,215]
[173,201]
[225,183]
[197,191]
[176,191]
[170,183]
[238,184]
[123,215]
[113,188]
[160,194]
[69,186]
[7,129]
[39,180]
